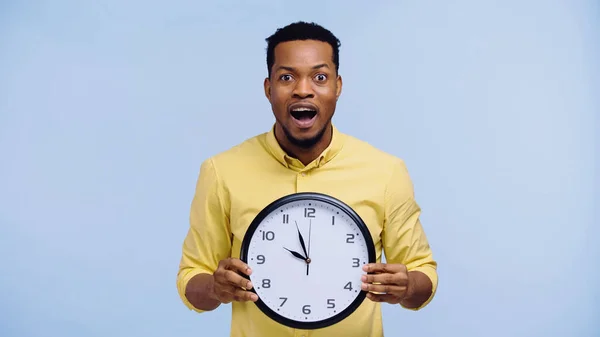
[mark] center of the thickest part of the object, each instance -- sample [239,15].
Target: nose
[303,89]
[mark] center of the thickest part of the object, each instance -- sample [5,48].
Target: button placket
[301,181]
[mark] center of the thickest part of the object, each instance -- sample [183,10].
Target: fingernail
[249,271]
[363,286]
[366,267]
[254,297]
[249,285]
[363,278]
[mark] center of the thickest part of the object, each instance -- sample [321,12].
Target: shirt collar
[335,146]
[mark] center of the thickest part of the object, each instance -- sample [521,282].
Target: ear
[339,87]
[267,86]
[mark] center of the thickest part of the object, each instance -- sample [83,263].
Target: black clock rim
[300,196]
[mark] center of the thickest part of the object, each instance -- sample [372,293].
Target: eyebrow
[322,65]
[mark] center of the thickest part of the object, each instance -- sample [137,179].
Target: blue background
[107,109]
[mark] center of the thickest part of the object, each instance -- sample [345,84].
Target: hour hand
[296,254]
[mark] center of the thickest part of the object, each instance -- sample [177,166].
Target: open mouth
[303,114]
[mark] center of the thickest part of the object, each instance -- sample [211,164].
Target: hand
[304,247]
[229,285]
[302,241]
[389,280]
[308,254]
[296,254]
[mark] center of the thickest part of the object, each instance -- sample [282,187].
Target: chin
[305,137]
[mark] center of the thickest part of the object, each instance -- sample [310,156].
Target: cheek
[278,103]
[278,95]
[326,92]
[328,98]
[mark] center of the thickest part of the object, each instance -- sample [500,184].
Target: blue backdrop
[107,109]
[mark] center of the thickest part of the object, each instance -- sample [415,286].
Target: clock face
[306,252]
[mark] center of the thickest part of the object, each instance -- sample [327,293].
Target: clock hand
[308,255]
[296,254]
[301,241]
[309,228]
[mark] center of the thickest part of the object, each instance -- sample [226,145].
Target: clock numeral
[333,220]
[269,236]
[350,238]
[286,218]
[260,259]
[355,262]
[306,309]
[331,303]
[284,300]
[309,212]
[266,283]
[348,286]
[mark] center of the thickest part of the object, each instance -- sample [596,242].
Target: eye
[321,77]
[285,77]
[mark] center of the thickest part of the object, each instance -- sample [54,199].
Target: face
[303,90]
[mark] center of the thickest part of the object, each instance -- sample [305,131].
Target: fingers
[397,279]
[388,298]
[235,279]
[241,295]
[229,269]
[228,293]
[384,268]
[236,265]
[231,293]
[394,290]
[386,282]
[231,286]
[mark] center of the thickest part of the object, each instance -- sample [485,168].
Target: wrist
[418,290]
[410,287]
[210,289]
[200,292]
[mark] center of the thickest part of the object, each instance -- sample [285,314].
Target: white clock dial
[306,252]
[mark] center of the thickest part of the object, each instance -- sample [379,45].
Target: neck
[304,155]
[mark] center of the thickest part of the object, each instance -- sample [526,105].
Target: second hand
[308,260]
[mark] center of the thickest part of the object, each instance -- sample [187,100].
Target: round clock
[306,251]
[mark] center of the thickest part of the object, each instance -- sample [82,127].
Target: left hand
[390,280]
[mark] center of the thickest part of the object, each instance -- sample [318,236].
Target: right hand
[228,285]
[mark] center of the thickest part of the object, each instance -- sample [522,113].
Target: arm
[405,242]
[207,242]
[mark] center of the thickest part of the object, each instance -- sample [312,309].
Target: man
[303,152]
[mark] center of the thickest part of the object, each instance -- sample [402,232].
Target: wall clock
[306,251]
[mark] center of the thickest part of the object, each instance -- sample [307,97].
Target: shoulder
[390,169]
[248,148]
[371,155]
[240,155]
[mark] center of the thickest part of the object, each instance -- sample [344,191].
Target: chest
[251,193]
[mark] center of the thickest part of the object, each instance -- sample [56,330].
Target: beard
[305,143]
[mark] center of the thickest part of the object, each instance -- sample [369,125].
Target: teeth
[303,109]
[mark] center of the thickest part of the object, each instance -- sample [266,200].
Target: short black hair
[302,31]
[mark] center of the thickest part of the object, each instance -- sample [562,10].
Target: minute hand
[302,241]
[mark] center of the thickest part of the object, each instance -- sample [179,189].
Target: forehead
[303,53]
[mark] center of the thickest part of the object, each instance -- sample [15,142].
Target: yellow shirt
[233,186]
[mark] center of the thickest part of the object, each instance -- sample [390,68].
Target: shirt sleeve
[404,240]
[208,239]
